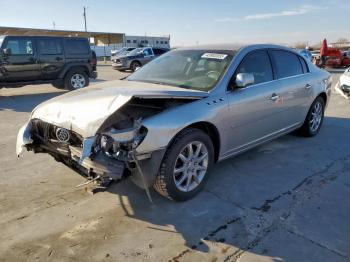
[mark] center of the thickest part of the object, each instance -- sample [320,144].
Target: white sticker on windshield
[214,56]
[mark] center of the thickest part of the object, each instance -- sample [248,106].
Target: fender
[86,66]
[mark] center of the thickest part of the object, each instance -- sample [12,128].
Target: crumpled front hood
[84,111]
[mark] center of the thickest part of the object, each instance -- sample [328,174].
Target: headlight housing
[118,143]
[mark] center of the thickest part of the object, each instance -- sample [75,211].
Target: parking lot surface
[287,200]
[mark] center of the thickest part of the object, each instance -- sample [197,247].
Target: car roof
[234,47]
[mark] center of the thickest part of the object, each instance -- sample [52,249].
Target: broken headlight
[118,143]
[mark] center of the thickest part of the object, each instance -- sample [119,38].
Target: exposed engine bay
[109,155]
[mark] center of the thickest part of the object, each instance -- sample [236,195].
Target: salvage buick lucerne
[166,124]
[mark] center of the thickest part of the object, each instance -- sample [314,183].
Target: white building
[140,41]
[105,50]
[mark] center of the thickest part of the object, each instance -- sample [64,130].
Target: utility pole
[84,14]
[54,25]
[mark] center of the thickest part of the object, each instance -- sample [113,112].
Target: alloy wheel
[191,166]
[316,117]
[77,81]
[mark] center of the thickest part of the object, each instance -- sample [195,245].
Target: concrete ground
[287,200]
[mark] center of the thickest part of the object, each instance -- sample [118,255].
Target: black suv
[66,62]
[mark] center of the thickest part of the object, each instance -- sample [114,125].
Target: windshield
[193,69]
[136,51]
[122,50]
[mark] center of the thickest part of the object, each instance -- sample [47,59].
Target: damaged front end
[111,153]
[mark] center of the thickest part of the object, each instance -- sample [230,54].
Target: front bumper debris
[99,165]
[23,137]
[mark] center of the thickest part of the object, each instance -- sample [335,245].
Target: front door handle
[307,86]
[274,97]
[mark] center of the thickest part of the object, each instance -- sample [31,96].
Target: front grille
[47,132]
[44,130]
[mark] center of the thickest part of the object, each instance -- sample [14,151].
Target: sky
[191,22]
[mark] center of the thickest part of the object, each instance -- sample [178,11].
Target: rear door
[22,63]
[295,81]
[51,56]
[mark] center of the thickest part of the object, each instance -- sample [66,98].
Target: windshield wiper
[161,83]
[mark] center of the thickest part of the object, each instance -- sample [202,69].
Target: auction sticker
[214,56]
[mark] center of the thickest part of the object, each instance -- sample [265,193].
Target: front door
[51,57]
[21,64]
[254,111]
[147,55]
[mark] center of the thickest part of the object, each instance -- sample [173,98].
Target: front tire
[135,65]
[185,166]
[76,79]
[314,118]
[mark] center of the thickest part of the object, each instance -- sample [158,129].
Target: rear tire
[76,79]
[182,185]
[314,119]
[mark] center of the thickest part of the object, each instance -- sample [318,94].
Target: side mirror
[244,79]
[7,51]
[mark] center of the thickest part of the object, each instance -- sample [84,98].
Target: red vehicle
[336,58]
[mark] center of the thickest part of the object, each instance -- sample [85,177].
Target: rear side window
[158,51]
[50,46]
[77,47]
[304,65]
[20,46]
[257,63]
[286,63]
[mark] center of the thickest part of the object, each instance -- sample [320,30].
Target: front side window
[286,63]
[50,46]
[20,46]
[193,69]
[147,52]
[257,63]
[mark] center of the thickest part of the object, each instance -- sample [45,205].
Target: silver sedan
[170,121]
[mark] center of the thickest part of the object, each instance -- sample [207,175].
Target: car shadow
[27,102]
[239,189]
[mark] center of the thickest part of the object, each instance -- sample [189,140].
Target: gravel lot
[287,200]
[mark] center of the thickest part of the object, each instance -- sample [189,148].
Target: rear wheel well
[212,132]
[324,97]
[80,68]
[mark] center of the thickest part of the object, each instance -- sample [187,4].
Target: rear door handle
[274,97]
[307,86]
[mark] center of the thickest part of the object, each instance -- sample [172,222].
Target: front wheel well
[212,132]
